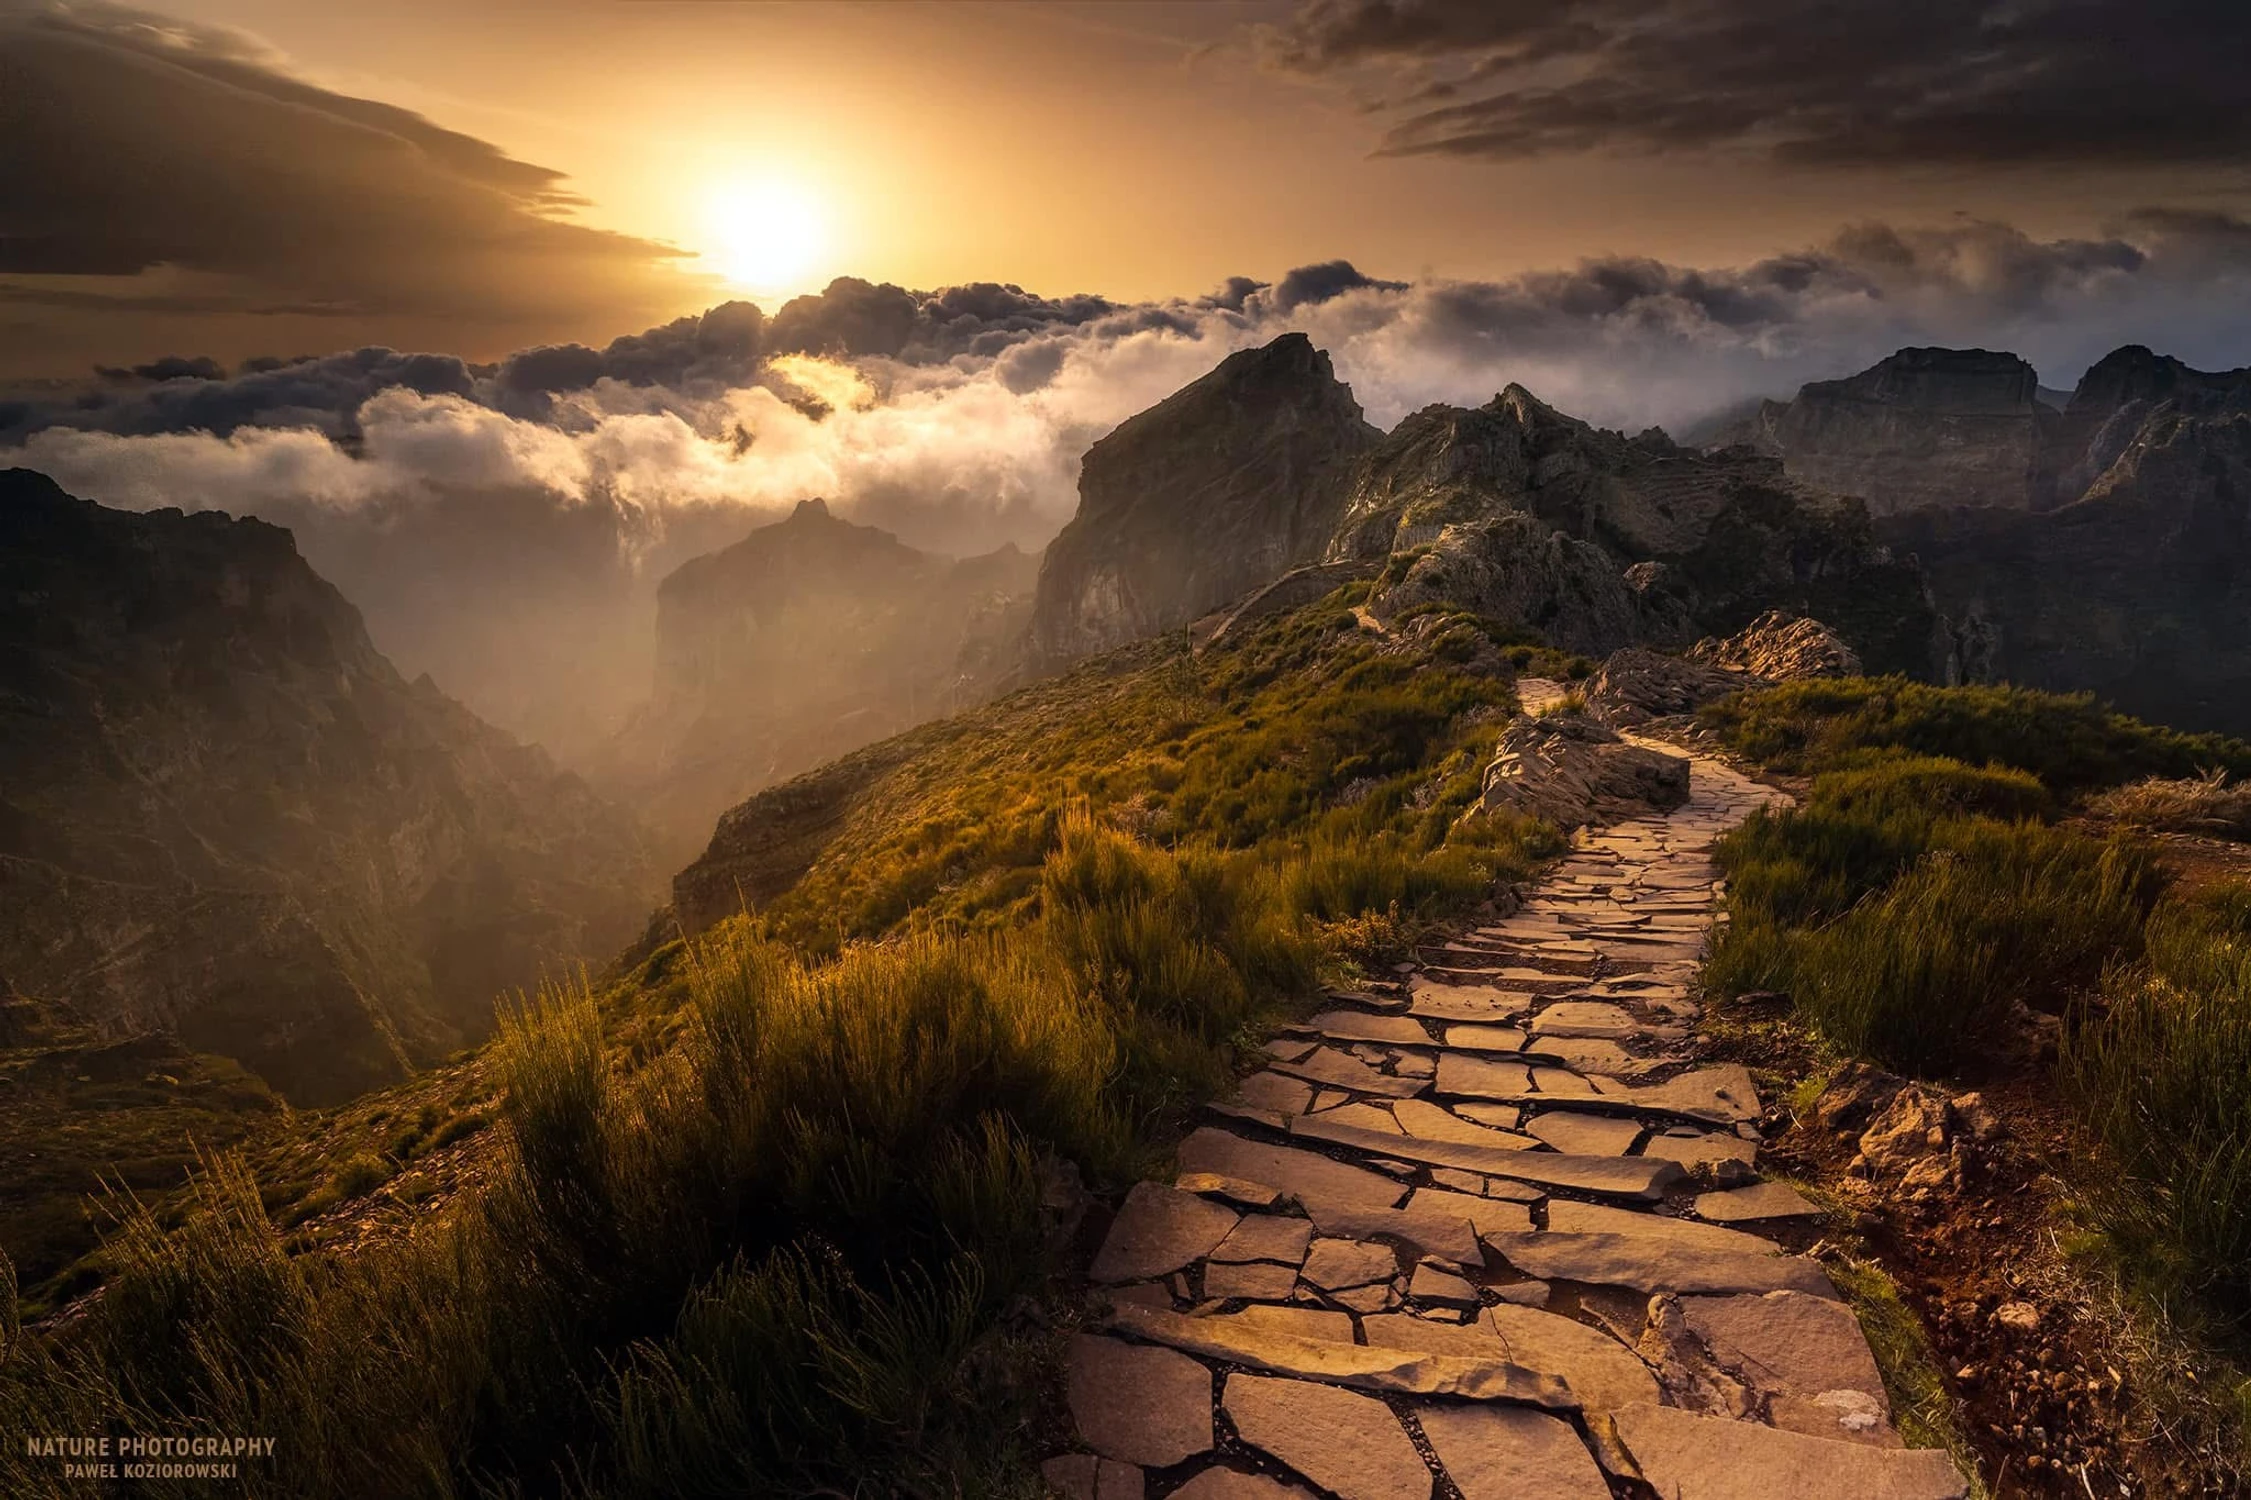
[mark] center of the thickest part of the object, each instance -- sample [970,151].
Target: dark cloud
[159,166]
[1331,278]
[1978,82]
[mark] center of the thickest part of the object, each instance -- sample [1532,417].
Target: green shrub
[2069,741]
[2159,1068]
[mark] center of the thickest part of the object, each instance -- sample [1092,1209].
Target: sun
[766,236]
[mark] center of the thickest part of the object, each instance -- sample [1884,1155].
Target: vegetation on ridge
[766,1216]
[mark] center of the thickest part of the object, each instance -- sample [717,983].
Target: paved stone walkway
[1488,1233]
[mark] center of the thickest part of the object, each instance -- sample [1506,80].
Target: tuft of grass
[2158,1065]
[2209,804]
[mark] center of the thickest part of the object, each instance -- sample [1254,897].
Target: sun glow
[766,236]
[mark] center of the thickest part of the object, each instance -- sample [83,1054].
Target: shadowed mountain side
[224,814]
[2140,592]
[801,642]
[1218,489]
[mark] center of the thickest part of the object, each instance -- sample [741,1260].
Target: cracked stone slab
[1138,1403]
[1595,1218]
[1432,1122]
[1441,1288]
[1350,1445]
[1483,1077]
[1272,1091]
[1082,1476]
[1647,1264]
[1359,1026]
[1265,1237]
[1335,1265]
[1254,1281]
[1160,1229]
[1583,1134]
[1479,1112]
[1767,1200]
[1614,1176]
[1361,1366]
[1603,1373]
[1585,1018]
[1342,1070]
[1486,1215]
[1302,1175]
[1700,1148]
[1319,1323]
[1510,1453]
[1806,1354]
[1685,1456]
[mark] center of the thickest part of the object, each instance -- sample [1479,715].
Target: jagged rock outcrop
[1653,542]
[806,639]
[1215,491]
[2139,591]
[1919,429]
[1519,569]
[225,816]
[1571,770]
[1777,647]
[1637,685]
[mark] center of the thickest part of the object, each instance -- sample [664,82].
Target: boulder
[1780,647]
[1571,770]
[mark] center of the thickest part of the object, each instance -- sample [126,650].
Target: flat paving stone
[1603,1373]
[1766,1200]
[1596,1218]
[1272,1091]
[1138,1403]
[1653,1265]
[1300,1322]
[1303,1175]
[1365,1367]
[1615,1176]
[1686,1456]
[1482,1077]
[1432,1122]
[1349,1445]
[1236,1484]
[1473,1038]
[1487,1215]
[1479,1112]
[1334,1265]
[1363,1117]
[1160,1229]
[1359,1026]
[1083,1476]
[1475,1003]
[1582,1134]
[1265,1237]
[1441,1288]
[1588,1018]
[1342,1070]
[1255,1281]
[1701,1148]
[1509,1453]
[1805,1354]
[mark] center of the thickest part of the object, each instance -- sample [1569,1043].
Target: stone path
[1489,1233]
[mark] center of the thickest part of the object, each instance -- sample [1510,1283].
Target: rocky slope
[225,816]
[1922,428]
[1218,489]
[1520,513]
[806,639]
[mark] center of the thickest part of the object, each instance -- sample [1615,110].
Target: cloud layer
[1908,82]
[503,524]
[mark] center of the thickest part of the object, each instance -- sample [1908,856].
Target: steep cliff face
[2139,591]
[1923,428]
[1216,490]
[806,639]
[2118,394]
[223,814]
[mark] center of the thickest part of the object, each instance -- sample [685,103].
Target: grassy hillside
[773,1211]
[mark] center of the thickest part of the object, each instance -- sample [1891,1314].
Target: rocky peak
[1215,491]
[2119,393]
[1920,429]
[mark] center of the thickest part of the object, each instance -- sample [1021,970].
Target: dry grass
[2209,804]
